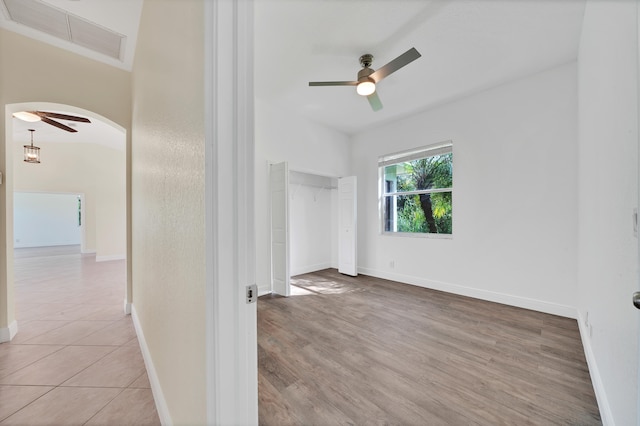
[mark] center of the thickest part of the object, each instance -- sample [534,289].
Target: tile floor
[76,359]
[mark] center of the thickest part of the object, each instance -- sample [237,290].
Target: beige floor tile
[69,333]
[141,382]
[118,369]
[64,406]
[73,312]
[31,329]
[15,357]
[133,342]
[44,311]
[106,313]
[16,397]
[57,367]
[116,334]
[134,407]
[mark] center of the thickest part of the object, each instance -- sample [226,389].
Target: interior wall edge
[305,269]
[594,372]
[489,296]
[8,333]
[158,396]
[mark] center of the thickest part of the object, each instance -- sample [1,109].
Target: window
[416,190]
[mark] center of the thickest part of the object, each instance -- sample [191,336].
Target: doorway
[313,224]
[91,162]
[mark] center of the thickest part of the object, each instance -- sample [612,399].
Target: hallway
[76,359]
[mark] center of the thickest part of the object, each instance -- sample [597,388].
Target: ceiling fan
[46,117]
[368,78]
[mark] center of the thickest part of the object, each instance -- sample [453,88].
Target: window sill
[418,235]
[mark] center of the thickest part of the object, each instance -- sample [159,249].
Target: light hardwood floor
[346,350]
[76,359]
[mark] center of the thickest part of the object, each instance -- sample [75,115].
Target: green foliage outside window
[426,211]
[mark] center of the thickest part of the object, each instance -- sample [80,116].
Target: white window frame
[440,148]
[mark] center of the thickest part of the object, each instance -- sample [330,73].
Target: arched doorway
[71,162]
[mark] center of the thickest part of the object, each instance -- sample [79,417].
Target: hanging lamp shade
[31,153]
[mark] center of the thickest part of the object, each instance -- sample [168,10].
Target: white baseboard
[263,290]
[8,333]
[596,379]
[156,389]
[127,307]
[310,268]
[491,296]
[111,257]
[88,252]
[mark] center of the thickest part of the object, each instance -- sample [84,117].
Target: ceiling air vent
[66,26]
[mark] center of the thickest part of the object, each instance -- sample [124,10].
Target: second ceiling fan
[46,117]
[368,78]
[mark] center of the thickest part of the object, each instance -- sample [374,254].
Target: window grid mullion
[419,191]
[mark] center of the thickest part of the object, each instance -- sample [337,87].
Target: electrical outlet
[392,264]
[586,318]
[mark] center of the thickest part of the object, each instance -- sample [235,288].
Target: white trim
[231,323]
[8,333]
[127,307]
[156,389]
[491,296]
[88,252]
[432,150]
[310,268]
[263,291]
[111,257]
[594,372]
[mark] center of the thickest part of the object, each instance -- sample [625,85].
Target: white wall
[307,147]
[608,193]
[312,213]
[168,211]
[98,172]
[514,199]
[45,219]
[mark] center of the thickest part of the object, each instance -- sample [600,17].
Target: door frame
[231,323]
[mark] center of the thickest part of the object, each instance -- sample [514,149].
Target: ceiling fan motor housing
[366,60]
[364,73]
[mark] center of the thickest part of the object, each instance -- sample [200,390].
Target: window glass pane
[421,213]
[426,173]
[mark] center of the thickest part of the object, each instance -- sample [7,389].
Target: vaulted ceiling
[467,46]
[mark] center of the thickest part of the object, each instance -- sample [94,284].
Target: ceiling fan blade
[333,83]
[62,116]
[374,101]
[58,125]
[393,66]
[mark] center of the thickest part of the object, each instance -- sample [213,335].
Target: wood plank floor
[363,350]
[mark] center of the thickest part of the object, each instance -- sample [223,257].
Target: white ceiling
[466,46]
[119,16]
[96,132]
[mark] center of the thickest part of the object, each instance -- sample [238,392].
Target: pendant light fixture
[31,153]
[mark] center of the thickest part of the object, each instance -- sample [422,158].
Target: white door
[279,187]
[348,239]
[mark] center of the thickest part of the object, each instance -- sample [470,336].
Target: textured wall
[168,201]
[31,71]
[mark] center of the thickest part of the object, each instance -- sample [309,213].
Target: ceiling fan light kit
[26,116]
[46,117]
[368,78]
[31,153]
